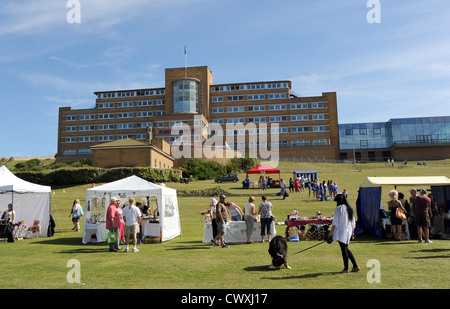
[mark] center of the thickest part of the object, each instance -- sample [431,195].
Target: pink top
[112,213]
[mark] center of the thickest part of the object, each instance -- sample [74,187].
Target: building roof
[129,143]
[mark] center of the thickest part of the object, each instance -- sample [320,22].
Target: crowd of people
[220,212]
[420,211]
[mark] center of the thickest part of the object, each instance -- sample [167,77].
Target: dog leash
[308,248]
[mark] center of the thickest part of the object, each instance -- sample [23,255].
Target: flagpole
[185,61]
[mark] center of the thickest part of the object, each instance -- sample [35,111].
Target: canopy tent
[100,197]
[311,174]
[30,201]
[369,196]
[264,169]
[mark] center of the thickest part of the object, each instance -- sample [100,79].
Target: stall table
[236,232]
[405,227]
[98,229]
[297,222]
[151,228]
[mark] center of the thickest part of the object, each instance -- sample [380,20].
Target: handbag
[400,214]
[111,237]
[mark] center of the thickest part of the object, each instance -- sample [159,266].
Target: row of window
[284,143]
[117,115]
[249,87]
[375,131]
[270,96]
[272,118]
[102,138]
[258,108]
[278,118]
[105,127]
[127,94]
[131,104]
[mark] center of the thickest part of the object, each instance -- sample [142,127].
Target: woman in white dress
[342,230]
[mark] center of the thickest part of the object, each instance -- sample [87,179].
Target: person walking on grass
[342,230]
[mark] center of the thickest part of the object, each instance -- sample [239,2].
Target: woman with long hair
[342,230]
[396,223]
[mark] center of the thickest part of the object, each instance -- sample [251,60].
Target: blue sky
[399,67]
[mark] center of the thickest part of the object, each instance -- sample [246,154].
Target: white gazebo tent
[30,201]
[98,199]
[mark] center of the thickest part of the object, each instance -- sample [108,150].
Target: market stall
[164,220]
[369,197]
[311,175]
[265,169]
[31,202]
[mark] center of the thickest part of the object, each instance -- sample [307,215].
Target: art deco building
[306,127]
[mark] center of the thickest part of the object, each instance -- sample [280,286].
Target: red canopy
[265,169]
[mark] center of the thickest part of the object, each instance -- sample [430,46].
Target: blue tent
[369,197]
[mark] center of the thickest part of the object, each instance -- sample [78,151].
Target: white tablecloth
[236,232]
[151,229]
[97,229]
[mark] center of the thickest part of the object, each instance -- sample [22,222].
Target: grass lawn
[186,263]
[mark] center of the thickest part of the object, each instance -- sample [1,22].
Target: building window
[319,142]
[319,128]
[84,151]
[300,118]
[185,96]
[217,99]
[300,143]
[348,132]
[70,152]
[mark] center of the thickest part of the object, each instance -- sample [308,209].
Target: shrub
[203,170]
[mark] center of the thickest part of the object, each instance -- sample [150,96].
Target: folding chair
[34,230]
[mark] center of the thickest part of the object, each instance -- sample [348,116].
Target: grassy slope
[185,262]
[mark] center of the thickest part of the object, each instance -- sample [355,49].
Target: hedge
[85,175]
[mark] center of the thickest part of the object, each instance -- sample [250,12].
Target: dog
[278,252]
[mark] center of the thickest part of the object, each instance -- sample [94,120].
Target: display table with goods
[151,226]
[236,232]
[303,228]
[95,222]
[308,221]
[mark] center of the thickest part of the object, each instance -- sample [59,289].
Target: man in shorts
[132,217]
[221,219]
[423,215]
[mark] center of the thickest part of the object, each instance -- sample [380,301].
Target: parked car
[229,177]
